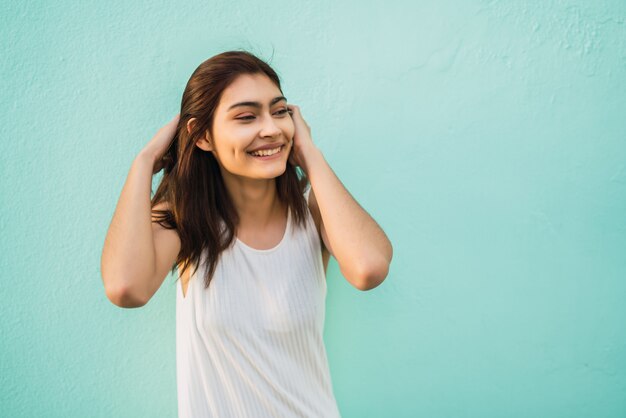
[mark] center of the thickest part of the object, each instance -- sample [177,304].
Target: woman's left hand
[302,142]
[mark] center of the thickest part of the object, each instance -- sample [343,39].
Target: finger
[295,114]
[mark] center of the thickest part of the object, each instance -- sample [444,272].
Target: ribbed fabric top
[251,344]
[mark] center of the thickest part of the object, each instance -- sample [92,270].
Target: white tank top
[251,344]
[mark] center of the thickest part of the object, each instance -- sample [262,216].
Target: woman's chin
[277,173]
[270,172]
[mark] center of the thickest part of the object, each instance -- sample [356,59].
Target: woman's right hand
[160,143]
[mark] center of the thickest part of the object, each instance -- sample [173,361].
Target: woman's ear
[202,143]
[205,142]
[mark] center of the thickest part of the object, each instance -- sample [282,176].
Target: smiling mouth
[276,154]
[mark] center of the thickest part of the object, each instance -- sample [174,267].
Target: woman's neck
[256,201]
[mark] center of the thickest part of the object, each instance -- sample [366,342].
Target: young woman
[249,211]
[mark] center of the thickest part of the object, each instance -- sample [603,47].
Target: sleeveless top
[251,344]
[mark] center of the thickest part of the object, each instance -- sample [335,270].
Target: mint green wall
[488,139]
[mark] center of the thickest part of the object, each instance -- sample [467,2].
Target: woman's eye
[280,112]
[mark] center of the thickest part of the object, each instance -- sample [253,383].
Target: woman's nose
[269,127]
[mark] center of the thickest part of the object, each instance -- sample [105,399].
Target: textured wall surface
[488,139]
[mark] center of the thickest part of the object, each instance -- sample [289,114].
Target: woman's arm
[352,236]
[138,253]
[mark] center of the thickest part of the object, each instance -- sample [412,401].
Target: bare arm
[137,253]
[350,234]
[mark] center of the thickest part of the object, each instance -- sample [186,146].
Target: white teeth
[265,153]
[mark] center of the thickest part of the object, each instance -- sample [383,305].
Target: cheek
[234,142]
[290,129]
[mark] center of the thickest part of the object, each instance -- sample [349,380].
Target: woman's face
[252,113]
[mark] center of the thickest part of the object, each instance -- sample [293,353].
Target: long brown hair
[192,185]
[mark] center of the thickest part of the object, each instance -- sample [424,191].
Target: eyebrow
[257,104]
